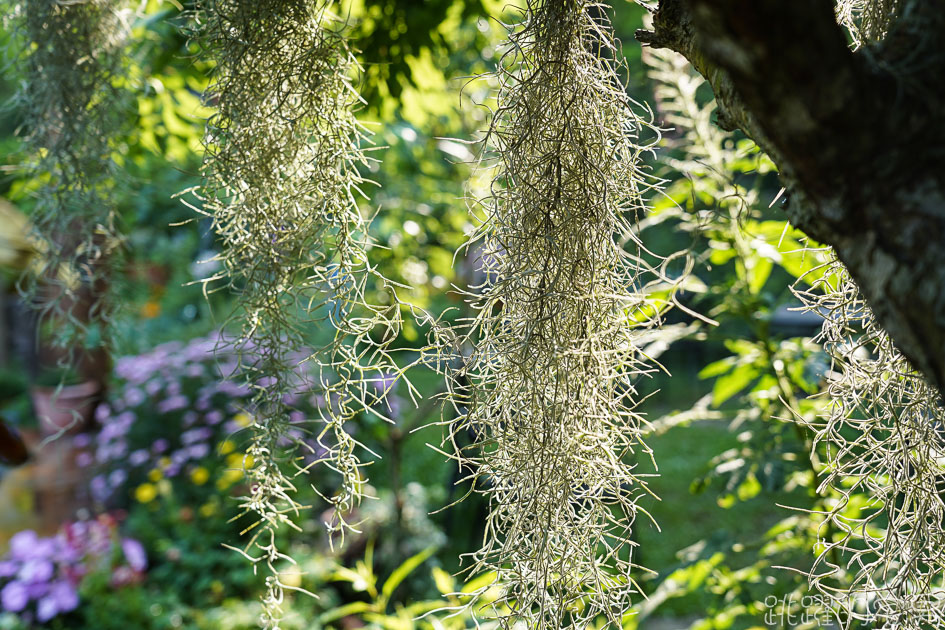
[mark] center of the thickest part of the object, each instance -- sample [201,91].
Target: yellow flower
[242,419]
[155,474]
[145,493]
[164,462]
[228,478]
[199,475]
[236,460]
[208,509]
[227,447]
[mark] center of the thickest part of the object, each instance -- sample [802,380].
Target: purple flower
[200,349]
[65,595]
[233,389]
[134,396]
[101,454]
[228,368]
[190,418]
[14,597]
[23,544]
[82,440]
[153,387]
[36,571]
[117,477]
[126,419]
[173,388]
[117,449]
[62,597]
[195,370]
[134,554]
[198,451]
[99,488]
[44,548]
[8,569]
[110,431]
[138,457]
[102,413]
[160,445]
[196,435]
[46,609]
[83,459]
[173,404]
[214,417]
[35,590]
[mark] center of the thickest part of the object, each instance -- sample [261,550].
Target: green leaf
[721,256]
[405,569]
[717,368]
[477,583]
[748,488]
[353,608]
[421,608]
[733,382]
[444,581]
[759,274]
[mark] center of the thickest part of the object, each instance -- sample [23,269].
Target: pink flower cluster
[40,576]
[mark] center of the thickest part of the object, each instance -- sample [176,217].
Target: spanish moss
[547,389]
[282,186]
[75,108]
[884,436]
[867,21]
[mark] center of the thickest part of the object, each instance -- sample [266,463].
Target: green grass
[684,518]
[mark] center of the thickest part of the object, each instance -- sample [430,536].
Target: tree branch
[858,137]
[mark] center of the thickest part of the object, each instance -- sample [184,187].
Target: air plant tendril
[547,387]
[72,55]
[281,183]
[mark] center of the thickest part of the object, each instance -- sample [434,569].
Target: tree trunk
[858,138]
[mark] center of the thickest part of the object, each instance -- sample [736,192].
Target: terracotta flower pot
[67,408]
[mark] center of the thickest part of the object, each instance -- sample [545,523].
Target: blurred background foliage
[728,453]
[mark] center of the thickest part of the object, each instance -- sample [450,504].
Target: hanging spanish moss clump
[884,434]
[548,389]
[74,108]
[281,184]
[867,20]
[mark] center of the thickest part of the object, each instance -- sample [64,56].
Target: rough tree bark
[858,138]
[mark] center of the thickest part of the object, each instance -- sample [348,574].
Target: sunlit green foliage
[744,261]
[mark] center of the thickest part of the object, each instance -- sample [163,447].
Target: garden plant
[458,314]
